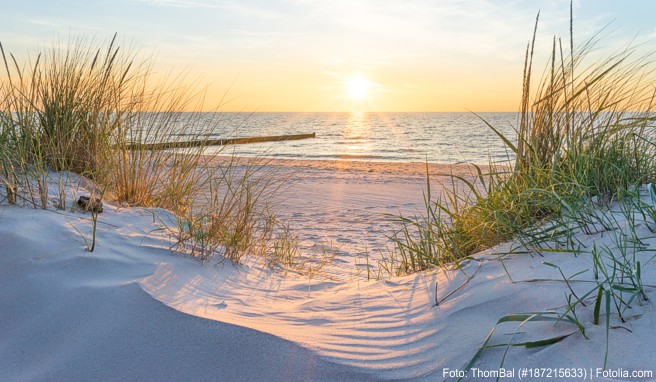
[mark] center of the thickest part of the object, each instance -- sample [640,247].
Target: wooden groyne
[217,142]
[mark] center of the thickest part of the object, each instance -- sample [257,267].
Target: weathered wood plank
[217,142]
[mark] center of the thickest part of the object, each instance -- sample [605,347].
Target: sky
[333,55]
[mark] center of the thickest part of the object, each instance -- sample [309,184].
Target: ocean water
[386,137]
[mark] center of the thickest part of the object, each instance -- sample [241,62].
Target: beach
[348,207]
[136,309]
[327,191]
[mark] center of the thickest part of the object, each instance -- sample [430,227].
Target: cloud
[233,8]
[179,3]
[43,22]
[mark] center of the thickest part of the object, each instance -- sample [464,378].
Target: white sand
[132,310]
[344,208]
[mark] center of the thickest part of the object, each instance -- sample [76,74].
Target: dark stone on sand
[87,204]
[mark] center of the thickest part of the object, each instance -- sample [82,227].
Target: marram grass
[585,134]
[585,145]
[85,107]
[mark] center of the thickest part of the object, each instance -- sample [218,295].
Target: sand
[349,208]
[133,310]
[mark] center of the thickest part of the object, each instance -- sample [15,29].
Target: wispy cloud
[179,3]
[44,22]
[260,9]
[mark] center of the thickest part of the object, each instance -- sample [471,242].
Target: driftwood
[216,142]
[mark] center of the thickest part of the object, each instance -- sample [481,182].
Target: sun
[357,87]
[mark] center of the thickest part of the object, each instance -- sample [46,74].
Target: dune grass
[231,214]
[584,150]
[610,292]
[86,107]
[584,138]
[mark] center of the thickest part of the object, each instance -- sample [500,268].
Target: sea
[434,137]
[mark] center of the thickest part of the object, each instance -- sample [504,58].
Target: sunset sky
[337,55]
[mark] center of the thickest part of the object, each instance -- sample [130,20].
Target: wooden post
[216,142]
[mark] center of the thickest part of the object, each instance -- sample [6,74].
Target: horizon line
[346,111]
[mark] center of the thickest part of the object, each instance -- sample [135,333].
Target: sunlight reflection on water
[395,137]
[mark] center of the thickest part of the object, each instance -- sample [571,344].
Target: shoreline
[342,165]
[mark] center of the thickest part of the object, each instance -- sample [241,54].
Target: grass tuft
[585,137]
[91,108]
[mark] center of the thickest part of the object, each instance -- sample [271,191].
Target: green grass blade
[597,307]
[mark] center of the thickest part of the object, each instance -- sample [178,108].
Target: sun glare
[358,87]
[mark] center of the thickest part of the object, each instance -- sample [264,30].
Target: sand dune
[133,310]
